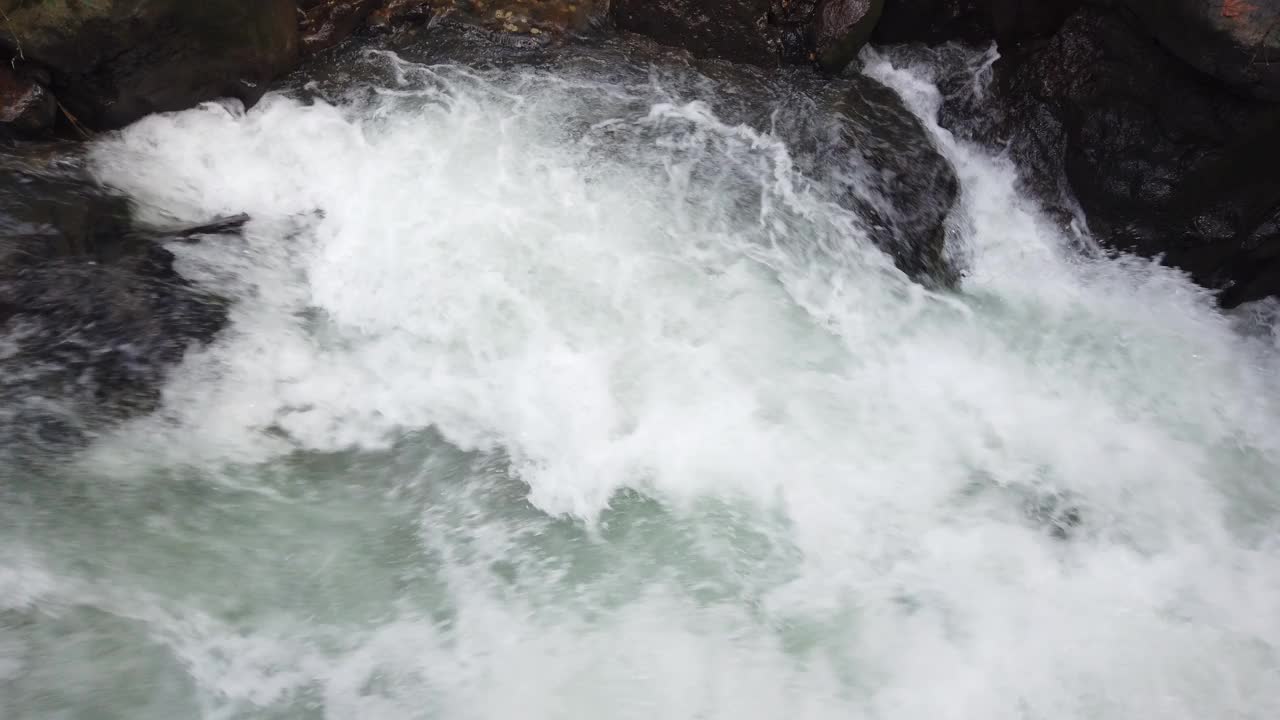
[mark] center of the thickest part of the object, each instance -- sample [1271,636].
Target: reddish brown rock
[1236,41]
[26,107]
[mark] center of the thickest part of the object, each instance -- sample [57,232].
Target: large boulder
[113,61]
[1163,160]
[762,32]
[1236,41]
[908,197]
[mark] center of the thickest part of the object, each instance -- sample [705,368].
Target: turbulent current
[560,391]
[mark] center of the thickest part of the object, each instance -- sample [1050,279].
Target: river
[551,390]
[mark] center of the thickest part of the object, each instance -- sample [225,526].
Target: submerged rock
[113,61]
[915,186]
[92,312]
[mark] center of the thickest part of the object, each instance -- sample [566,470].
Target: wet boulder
[114,61]
[910,189]
[1235,41]
[762,32]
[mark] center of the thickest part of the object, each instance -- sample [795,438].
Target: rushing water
[554,393]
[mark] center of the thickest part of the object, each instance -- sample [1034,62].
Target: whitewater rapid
[556,394]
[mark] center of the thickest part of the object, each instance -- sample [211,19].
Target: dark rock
[1236,41]
[974,21]
[113,61]
[738,30]
[92,312]
[26,106]
[1163,160]
[930,21]
[761,32]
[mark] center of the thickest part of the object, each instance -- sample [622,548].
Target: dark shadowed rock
[761,32]
[113,61]
[1236,41]
[1163,160]
[974,21]
[739,30]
